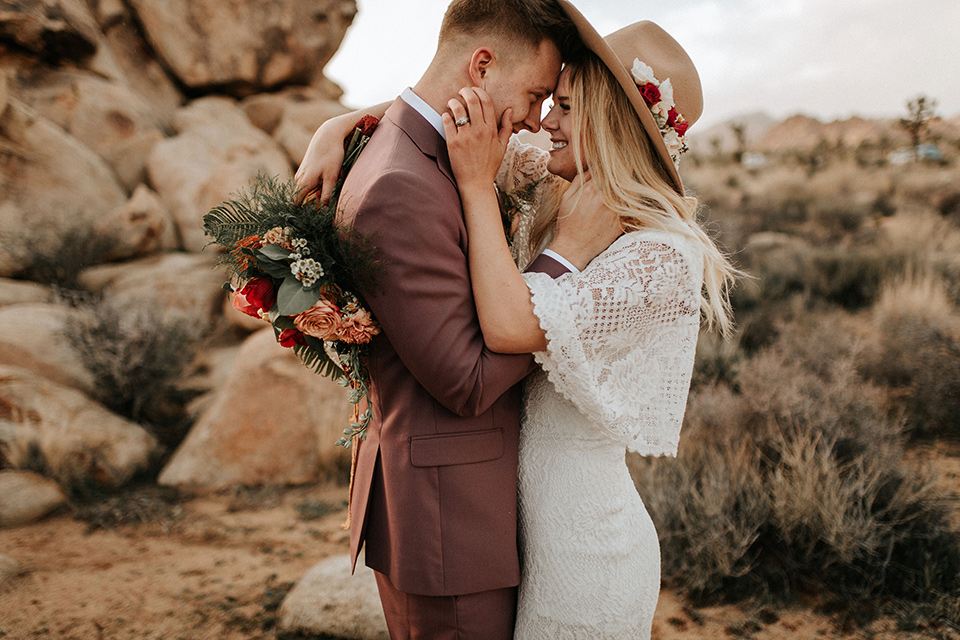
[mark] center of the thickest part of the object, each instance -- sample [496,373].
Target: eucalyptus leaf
[274,252]
[273,269]
[292,298]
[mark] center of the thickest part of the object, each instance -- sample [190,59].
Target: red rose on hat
[681,127]
[651,93]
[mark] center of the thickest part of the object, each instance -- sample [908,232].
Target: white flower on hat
[675,145]
[642,72]
[666,96]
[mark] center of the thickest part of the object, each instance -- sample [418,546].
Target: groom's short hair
[520,22]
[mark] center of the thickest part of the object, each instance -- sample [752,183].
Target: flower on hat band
[659,97]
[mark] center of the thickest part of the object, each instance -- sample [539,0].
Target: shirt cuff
[559,258]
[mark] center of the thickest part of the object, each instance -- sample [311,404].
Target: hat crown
[647,42]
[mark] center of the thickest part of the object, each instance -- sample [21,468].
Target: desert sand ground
[217,566]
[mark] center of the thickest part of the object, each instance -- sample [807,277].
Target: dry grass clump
[927,241]
[138,355]
[790,480]
[916,352]
[57,248]
[148,504]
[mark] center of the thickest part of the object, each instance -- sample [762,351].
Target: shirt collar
[421,107]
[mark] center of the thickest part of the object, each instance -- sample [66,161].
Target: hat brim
[595,43]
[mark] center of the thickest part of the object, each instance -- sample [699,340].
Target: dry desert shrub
[138,355]
[790,480]
[925,241]
[55,249]
[916,352]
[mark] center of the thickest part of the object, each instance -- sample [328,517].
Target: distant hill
[757,125]
[803,132]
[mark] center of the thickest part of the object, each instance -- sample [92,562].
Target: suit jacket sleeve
[424,301]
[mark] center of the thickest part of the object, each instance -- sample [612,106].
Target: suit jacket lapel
[422,133]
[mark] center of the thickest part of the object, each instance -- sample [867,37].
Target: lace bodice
[622,337]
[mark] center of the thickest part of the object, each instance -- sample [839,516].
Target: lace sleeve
[622,337]
[523,175]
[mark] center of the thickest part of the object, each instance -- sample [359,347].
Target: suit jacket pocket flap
[456,448]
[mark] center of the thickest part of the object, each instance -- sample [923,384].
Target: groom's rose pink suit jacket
[435,490]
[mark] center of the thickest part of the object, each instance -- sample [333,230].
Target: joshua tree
[919,114]
[739,130]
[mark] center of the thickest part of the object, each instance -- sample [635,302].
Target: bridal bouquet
[291,265]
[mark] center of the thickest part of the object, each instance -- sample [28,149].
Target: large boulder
[26,497]
[107,116]
[81,443]
[52,29]
[273,422]
[136,61]
[291,116]
[33,337]
[216,153]
[21,292]
[47,178]
[329,602]
[242,46]
[182,281]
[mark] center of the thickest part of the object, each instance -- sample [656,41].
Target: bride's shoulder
[672,245]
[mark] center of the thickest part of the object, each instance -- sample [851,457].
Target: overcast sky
[825,58]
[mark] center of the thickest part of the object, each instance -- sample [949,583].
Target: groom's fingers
[448,127]
[475,109]
[456,108]
[506,127]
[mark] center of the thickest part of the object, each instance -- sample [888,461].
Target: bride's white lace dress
[621,341]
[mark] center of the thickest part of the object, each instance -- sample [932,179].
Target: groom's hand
[477,144]
[585,226]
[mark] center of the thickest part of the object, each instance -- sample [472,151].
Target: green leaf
[277,270]
[275,252]
[292,298]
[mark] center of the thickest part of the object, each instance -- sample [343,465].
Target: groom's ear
[480,64]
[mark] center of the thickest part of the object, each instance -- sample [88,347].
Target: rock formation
[121,124]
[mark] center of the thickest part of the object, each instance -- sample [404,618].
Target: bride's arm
[321,163]
[502,298]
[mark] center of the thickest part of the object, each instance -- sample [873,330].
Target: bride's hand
[585,225]
[477,147]
[320,167]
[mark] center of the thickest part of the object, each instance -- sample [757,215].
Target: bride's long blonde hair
[632,180]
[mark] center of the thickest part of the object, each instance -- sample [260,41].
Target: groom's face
[522,83]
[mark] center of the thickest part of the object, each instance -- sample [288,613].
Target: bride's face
[559,123]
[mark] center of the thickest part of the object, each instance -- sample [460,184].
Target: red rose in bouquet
[255,298]
[681,127]
[290,338]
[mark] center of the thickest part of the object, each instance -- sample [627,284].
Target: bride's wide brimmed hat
[662,58]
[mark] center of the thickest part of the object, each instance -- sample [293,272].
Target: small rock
[9,569]
[330,602]
[141,226]
[26,497]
